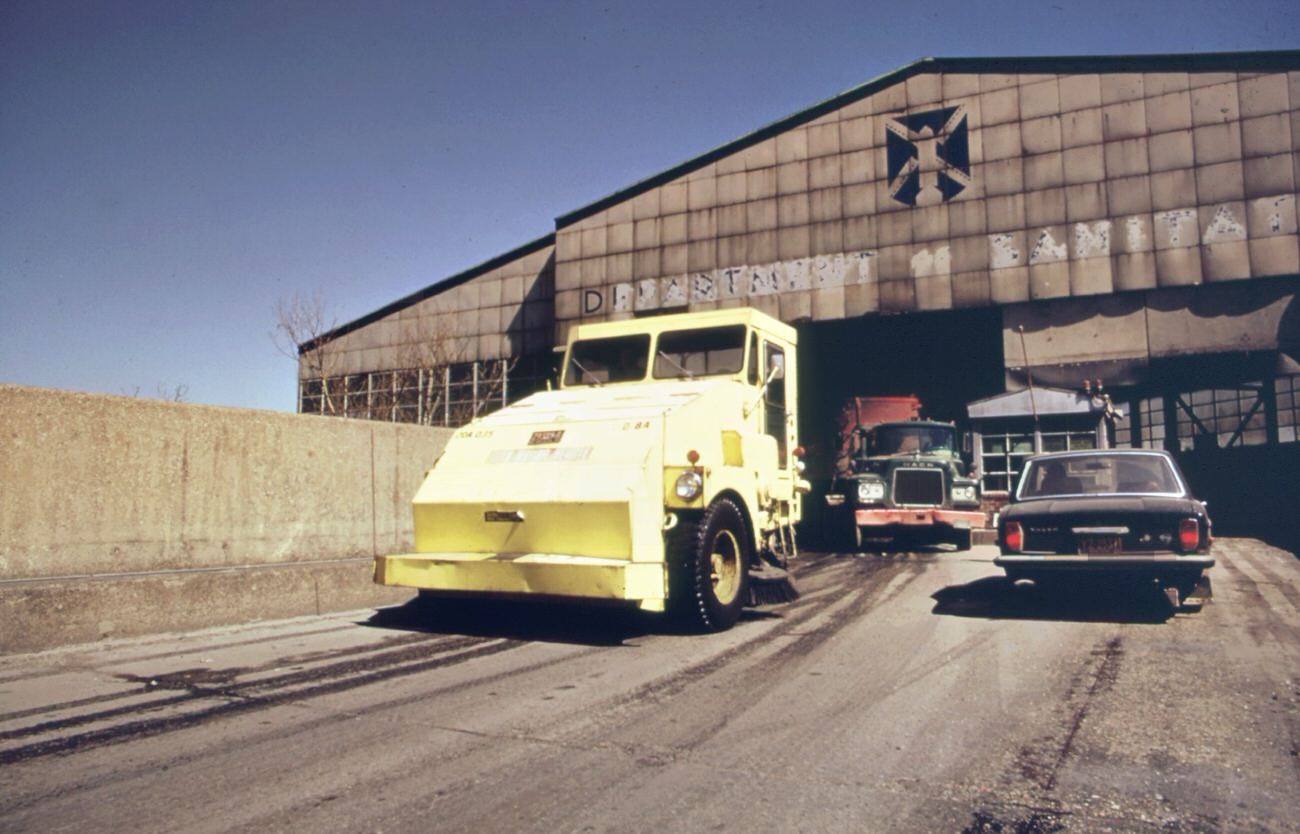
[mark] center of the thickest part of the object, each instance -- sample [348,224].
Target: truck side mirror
[775,366]
[775,371]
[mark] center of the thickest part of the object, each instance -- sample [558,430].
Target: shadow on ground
[997,598]
[546,622]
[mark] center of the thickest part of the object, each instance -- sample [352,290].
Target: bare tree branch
[179,393]
[301,321]
[434,381]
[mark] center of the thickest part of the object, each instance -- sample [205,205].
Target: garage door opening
[947,359]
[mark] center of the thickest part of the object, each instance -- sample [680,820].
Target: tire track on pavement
[1040,762]
[240,698]
[169,680]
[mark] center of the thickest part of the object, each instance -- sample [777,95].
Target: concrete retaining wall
[126,516]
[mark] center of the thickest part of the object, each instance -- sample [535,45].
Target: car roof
[1085,452]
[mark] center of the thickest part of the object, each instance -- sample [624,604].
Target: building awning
[1043,401]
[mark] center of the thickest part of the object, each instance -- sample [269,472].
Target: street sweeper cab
[663,472]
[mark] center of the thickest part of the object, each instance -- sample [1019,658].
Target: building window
[1145,426]
[406,397]
[356,396]
[1222,417]
[310,399]
[449,395]
[1287,391]
[1002,458]
[1069,441]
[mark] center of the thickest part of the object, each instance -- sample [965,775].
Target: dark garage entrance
[947,359]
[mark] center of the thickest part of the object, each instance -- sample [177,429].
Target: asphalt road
[912,692]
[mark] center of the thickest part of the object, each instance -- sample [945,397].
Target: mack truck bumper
[528,574]
[918,517]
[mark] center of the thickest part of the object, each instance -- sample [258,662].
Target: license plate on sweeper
[1100,545]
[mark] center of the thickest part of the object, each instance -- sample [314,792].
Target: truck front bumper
[527,574]
[918,517]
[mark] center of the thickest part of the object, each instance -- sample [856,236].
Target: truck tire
[708,571]
[962,539]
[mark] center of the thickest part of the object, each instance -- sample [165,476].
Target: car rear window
[1099,474]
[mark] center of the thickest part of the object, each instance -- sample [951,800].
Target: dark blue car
[1124,514]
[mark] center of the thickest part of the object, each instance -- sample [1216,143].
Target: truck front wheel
[709,568]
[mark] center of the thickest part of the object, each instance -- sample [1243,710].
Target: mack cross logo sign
[928,155]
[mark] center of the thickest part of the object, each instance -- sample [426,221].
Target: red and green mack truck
[900,479]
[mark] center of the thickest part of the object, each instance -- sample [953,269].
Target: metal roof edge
[817,110]
[1020,391]
[429,291]
[1285,59]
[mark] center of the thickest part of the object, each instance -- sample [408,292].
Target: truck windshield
[615,359]
[700,352]
[906,440]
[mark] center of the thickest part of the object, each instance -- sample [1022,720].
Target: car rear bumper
[918,517]
[1152,563]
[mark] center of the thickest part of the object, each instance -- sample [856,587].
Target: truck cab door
[775,414]
[779,417]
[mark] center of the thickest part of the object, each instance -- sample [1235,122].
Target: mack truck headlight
[964,493]
[869,491]
[689,485]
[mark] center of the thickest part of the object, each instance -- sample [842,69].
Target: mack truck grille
[918,486]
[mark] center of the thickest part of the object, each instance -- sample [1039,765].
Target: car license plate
[1100,545]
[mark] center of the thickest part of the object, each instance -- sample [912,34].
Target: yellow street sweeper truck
[664,471]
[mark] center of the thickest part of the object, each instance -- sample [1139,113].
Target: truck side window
[753,375]
[774,402]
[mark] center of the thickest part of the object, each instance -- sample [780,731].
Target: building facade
[952,229]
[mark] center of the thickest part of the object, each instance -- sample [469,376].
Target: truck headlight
[870,491]
[964,493]
[689,485]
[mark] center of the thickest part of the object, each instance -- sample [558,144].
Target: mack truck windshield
[664,472]
[900,480]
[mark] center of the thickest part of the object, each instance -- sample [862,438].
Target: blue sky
[169,170]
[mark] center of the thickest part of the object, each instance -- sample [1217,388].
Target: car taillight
[1014,537]
[1189,534]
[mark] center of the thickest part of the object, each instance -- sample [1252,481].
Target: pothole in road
[1038,822]
[186,679]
